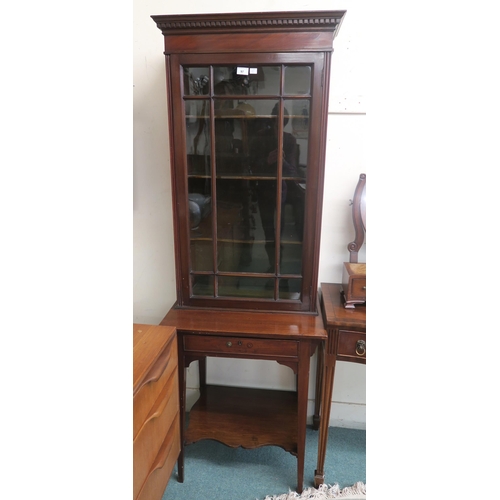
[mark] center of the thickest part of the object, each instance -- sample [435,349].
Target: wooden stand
[237,416]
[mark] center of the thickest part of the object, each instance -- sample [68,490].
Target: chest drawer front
[358,290]
[161,470]
[152,434]
[240,345]
[155,381]
[352,344]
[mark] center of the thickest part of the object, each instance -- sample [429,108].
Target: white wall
[154,268]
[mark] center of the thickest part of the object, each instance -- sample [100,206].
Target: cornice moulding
[250,22]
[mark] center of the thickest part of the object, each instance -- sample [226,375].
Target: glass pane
[294,189]
[200,224]
[247,79]
[202,285]
[199,184]
[263,139]
[290,288]
[247,188]
[245,134]
[245,137]
[201,255]
[299,123]
[196,81]
[229,155]
[297,80]
[198,136]
[291,254]
[265,234]
[230,286]
[235,224]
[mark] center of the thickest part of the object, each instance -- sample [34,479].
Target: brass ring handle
[360,347]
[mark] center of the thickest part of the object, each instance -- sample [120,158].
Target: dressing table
[346,328]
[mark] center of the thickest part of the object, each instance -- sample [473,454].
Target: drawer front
[152,434]
[358,288]
[157,377]
[352,345]
[240,345]
[161,470]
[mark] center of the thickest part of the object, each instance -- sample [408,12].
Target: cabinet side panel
[171,122]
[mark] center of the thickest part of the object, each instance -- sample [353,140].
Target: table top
[149,342]
[255,323]
[335,314]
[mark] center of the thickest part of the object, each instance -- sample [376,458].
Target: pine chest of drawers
[156,430]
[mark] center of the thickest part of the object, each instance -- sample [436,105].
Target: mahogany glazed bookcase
[247,100]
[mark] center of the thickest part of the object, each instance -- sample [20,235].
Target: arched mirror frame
[358,218]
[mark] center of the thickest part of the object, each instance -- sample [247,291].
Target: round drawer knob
[360,347]
[249,345]
[229,344]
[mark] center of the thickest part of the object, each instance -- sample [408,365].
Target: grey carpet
[213,471]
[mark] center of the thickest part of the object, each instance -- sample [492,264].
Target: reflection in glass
[259,210]
[290,288]
[196,81]
[297,80]
[247,79]
[198,136]
[244,135]
[267,190]
[240,286]
[299,109]
[295,190]
[202,285]
[199,184]
[247,190]
[235,224]
[200,224]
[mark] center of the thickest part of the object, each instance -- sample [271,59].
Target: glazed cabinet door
[248,175]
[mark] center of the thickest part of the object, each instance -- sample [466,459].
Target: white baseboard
[349,415]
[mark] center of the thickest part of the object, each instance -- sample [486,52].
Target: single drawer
[354,284]
[240,345]
[161,470]
[152,434]
[358,288]
[153,384]
[352,344]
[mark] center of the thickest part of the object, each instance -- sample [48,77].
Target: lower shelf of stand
[250,418]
